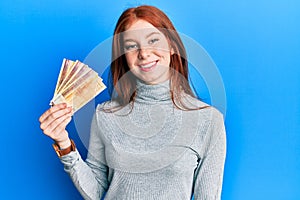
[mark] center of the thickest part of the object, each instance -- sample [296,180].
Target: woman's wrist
[64,144]
[64,151]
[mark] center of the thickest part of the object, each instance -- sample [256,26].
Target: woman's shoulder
[210,123]
[200,106]
[112,107]
[191,101]
[107,105]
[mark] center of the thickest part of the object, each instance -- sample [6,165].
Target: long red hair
[123,81]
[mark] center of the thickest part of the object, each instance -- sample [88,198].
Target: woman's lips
[148,66]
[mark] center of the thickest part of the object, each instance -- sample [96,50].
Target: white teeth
[148,65]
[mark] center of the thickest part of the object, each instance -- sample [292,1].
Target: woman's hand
[54,122]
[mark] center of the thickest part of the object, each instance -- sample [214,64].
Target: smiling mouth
[148,66]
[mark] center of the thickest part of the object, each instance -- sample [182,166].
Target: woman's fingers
[52,110]
[61,127]
[57,125]
[54,122]
[52,115]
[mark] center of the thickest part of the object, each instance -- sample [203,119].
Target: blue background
[255,44]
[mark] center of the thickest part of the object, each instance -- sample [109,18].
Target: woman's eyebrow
[147,36]
[153,33]
[129,40]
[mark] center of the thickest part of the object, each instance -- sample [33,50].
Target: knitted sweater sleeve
[90,176]
[209,173]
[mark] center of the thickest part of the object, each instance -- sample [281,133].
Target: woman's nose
[144,52]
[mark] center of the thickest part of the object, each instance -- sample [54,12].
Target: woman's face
[147,52]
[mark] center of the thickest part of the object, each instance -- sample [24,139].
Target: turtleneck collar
[153,93]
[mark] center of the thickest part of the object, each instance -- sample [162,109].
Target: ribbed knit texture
[152,151]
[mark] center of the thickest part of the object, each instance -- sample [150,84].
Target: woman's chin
[153,80]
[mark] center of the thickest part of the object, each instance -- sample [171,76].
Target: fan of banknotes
[77,84]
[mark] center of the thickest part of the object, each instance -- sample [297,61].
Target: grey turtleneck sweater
[152,151]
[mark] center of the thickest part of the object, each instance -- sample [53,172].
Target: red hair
[123,81]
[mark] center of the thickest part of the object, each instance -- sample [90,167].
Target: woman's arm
[209,173]
[89,177]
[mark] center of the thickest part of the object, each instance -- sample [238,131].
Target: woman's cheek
[129,60]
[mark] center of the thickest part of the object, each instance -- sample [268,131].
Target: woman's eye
[130,47]
[152,41]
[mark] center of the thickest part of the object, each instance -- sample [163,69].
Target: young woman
[154,139]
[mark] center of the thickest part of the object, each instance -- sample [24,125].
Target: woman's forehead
[140,24]
[140,28]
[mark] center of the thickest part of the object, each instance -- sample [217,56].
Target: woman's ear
[172,50]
